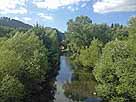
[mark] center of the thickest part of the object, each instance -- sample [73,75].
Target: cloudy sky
[56,13]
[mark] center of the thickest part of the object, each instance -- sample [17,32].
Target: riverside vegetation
[103,59]
[29,61]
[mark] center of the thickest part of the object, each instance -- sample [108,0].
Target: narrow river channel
[64,76]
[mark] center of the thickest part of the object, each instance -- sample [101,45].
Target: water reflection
[72,89]
[63,86]
[80,90]
[65,75]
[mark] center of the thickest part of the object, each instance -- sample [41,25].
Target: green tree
[89,56]
[118,32]
[115,73]
[132,26]
[24,57]
[11,89]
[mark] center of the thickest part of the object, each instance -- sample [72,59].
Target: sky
[56,13]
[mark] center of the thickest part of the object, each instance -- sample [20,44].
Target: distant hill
[5,21]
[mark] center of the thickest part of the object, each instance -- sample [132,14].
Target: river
[64,76]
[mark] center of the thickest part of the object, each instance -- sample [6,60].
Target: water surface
[78,89]
[65,75]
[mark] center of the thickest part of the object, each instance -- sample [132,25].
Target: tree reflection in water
[80,90]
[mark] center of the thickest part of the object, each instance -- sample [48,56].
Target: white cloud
[22,18]
[55,4]
[16,18]
[20,10]
[105,6]
[47,17]
[13,6]
[27,18]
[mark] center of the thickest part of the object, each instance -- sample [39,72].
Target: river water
[65,76]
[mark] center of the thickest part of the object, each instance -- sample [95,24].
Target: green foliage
[84,62]
[118,32]
[89,56]
[28,58]
[49,38]
[81,33]
[11,89]
[132,32]
[29,49]
[78,31]
[10,63]
[80,20]
[25,62]
[116,73]
[132,25]
[5,31]
[113,65]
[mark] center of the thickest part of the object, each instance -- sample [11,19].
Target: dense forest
[103,59]
[29,60]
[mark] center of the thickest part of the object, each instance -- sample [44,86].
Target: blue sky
[56,13]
